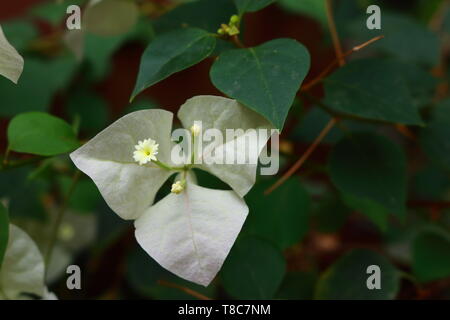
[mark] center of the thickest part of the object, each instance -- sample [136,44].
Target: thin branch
[184,289]
[335,62]
[334,120]
[237,42]
[334,33]
[304,157]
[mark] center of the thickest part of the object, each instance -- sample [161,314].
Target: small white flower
[145,151]
[177,187]
[195,130]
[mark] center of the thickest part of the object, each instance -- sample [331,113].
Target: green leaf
[90,107]
[265,78]
[20,33]
[347,278]
[313,8]
[370,167]
[297,286]
[4,232]
[405,39]
[434,138]
[40,133]
[110,17]
[283,227]
[330,215]
[431,255]
[204,14]
[144,275]
[98,51]
[172,52]
[375,212]
[14,184]
[371,89]
[32,93]
[11,62]
[251,5]
[253,270]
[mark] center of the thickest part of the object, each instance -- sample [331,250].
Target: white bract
[22,271]
[11,62]
[190,231]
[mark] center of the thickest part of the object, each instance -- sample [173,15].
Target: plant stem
[59,217]
[304,157]
[334,33]
[335,62]
[333,121]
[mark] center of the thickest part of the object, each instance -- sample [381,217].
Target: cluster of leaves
[374,179]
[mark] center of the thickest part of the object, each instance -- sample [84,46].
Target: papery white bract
[190,231]
[22,271]
[224,114]
[11,62]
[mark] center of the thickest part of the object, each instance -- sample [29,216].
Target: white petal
[191,233]
[127,187]
[22,270]
[11,62]
[222,113]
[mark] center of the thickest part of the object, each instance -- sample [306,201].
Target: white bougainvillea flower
[190,231]
[146,151]
[22,270]
[11,62]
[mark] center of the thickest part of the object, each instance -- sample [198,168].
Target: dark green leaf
[405,39]
[371,168]
[374,211]
[20,33]
[251,5]
[347,278]
[172,52]
[371,89]
[286,225]
[253,270]
[91,108]
[434,138]
[313,8]
[203,14]
[297,286]
[431,255]
[39,81]
[4,232]
[42,134]
[265,78]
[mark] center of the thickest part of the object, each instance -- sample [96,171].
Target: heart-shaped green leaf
[348,278]
[371,89]
[434,138]
[42,134]
[284,227]
[172,52]
[431,255]
[373,168]
[265,78]
[254,269]
[251,5]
